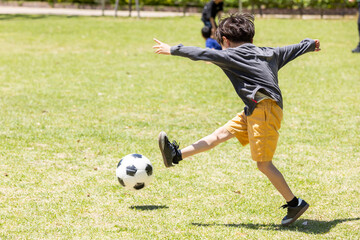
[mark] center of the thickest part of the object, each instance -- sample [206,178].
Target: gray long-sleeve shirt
[250,68]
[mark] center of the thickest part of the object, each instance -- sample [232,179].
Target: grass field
[79,93]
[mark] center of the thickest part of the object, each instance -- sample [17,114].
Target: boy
[253,73]
[209,41]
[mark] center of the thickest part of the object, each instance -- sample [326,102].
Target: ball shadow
[148,207]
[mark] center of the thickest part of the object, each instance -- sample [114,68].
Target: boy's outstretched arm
[290,52]
[193,53]
[161,48]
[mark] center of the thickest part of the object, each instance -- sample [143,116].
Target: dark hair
[238,27]
[206,32]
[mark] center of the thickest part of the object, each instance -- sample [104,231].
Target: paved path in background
[86,12]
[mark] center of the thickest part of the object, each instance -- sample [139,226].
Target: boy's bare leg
[220,135]
[295,206]
[276,178]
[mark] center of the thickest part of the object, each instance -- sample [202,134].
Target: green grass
[78,93]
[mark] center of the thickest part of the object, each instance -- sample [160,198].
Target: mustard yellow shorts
[260,129]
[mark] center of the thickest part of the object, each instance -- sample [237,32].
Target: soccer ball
[134,171]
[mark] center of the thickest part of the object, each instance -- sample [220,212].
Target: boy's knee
[219,132]
[219,135]
[264,166]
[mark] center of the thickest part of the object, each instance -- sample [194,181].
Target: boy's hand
[161,48]
[317,45]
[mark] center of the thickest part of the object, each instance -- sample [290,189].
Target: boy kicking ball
[253,72]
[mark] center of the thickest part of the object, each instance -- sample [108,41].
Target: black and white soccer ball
[134,171]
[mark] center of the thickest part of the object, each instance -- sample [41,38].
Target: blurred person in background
[357,49]
[211,10]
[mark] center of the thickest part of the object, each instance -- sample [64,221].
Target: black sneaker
[357,49]
[170,151]
[294,213]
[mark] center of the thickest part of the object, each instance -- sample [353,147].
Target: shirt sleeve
[289,53]
[196,53]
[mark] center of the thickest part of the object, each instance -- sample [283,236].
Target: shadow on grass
[30,17]
[303,225]
[148,207]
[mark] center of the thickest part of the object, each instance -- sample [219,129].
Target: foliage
[229,3]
